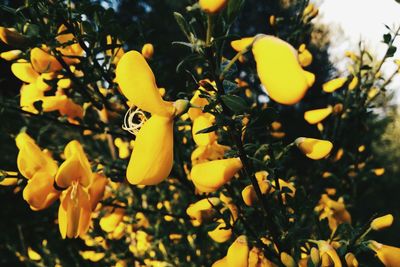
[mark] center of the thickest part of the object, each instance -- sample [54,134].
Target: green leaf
[208,130]
[183,25]
[391,51]
[235,103]
[386,38]
[38,105]
[233,9]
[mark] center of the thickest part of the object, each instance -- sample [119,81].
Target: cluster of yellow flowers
[281,71]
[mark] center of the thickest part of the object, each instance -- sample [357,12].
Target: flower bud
[148,51]
[333,85]
[317,115]
[351,260]
[382,222]
[287,260]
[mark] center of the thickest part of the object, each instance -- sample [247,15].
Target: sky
[361,20]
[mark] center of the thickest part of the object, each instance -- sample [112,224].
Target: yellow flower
[92,255]
[42,61]
[123,148]
[238,252]
[314,148]
[111,220]
[328,252]
[334,211]
[287,260]
[249,194]
[200,123]
[210,176]
[31,159]
[75,208]
[148,51]
[137,82]
[353,84]
[351,260]
[379,171]
[220,234]
[212,6]
[388,255]
[317,115]
[382,222]
[152,157]
[203,210]
[305,57]
[279,70]
[11,55]
[33,255]
[333,85]
[74,212]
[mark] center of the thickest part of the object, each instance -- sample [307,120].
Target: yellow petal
[333,85]
[382,222]
[33,255]
[40,192]
[212,6]
[92,255]
[75,150]
[200,123]
[238,252]
[221,263]
[317,115]
[96,189]
[203,210]
[388,255]
[353,84]
[137,82]
[305,58]
[210,176]
[152,157]
[24,72]
[240,45]
[11,55]
[43,61]
[287,260]
[110,221]
[279,70]
[219,234]
[31,159]
[314,148]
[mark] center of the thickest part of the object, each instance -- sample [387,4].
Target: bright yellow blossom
[333,85]
[314,148]
[317,115]
[279,70]
[210,176]
[212,6]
